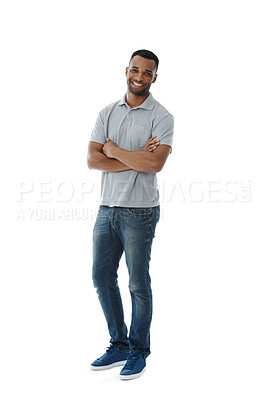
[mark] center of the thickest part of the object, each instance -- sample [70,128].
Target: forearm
[143,161]
[102,163]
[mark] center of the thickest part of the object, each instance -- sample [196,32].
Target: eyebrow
[138,68]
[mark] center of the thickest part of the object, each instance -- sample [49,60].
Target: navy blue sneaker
[134,367]
[112,358]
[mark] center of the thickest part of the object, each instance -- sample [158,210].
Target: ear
[126,71]
[154,78]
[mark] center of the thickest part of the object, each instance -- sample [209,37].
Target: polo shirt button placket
[128,116]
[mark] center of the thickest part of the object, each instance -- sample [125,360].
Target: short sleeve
[163,130]
[98,133]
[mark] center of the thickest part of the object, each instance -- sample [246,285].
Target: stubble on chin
[141,92]
[138,92]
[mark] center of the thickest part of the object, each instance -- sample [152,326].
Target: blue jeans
[131,230]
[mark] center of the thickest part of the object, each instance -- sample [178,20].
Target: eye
[148,74]
[134,70]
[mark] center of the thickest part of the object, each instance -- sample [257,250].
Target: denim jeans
[131,230]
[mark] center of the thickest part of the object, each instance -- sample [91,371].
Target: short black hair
[146,54]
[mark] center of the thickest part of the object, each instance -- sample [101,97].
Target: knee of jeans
[95,282]
[97,278]
[138,287]
[101,280]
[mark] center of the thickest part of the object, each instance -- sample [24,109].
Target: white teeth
[136,84]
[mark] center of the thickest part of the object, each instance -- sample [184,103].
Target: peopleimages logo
[68,200]
[50,191]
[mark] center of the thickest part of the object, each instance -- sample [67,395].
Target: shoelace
[109,351]
[132,359]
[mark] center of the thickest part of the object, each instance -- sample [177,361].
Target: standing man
[130,144]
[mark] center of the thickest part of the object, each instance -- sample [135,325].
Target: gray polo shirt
[130,128]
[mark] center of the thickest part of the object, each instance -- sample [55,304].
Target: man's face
[140,74]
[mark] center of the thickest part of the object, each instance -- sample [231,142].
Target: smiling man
[130,143]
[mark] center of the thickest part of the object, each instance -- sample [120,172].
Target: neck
[135,101]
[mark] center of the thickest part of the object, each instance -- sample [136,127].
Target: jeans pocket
[140,212]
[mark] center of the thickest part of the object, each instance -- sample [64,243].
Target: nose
[139,77]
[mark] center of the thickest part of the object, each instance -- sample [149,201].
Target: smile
[137,84]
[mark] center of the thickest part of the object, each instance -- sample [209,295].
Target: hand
[152,144]
[108,148]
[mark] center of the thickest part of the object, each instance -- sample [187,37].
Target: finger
[151,143]
[147,148]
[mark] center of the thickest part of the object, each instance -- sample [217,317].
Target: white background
[62,61]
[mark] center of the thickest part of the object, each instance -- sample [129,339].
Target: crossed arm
[111,158]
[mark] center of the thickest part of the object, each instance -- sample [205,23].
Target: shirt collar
[147,104]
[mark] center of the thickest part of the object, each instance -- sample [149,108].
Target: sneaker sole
[102,367]
[134,376]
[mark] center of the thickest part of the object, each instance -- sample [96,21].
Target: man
[130,144]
